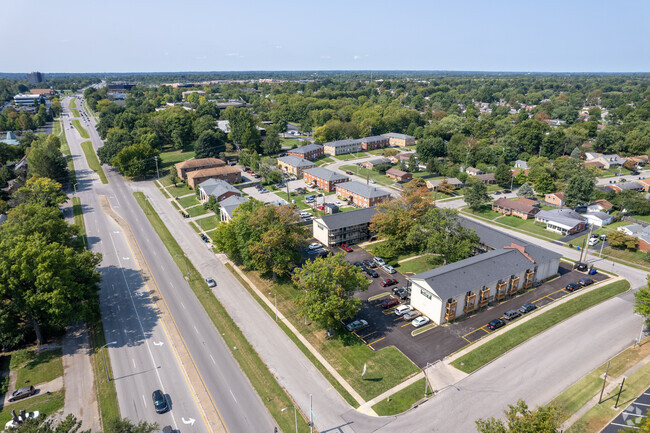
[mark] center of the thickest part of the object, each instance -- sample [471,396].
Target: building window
[426,293]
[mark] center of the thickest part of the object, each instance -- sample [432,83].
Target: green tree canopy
[476,195]
[520,419]
[526,191]
[40,190]
[579,190]
[136,161]
[44,159]
[503,175]
[210,144]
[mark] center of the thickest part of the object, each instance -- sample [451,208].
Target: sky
[250,35]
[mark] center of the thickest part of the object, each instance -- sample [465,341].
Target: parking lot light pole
[104,356]
[295,415]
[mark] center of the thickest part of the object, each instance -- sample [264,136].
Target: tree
[576,154]
[40,190]
[243,130]
[526,191]
[137,160]
[44,159]
[476,195]
[620,240]
[579,190]
[503,175]
[520,419]
[412,164]
[116,140]
[545,184]
[328,286]
[209,145]
[271,144]
[431,147]
[125,425]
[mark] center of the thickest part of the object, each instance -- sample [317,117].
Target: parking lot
[634,413]
[385,328]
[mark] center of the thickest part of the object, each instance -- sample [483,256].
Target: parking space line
[406,324]
[363,337]
[379,339]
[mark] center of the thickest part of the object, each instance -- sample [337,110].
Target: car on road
[24,392]
[349,173]
[497,192]
[571,287]
[586,282]
[346,248]
[527,308]
[357,324]
[315,245]
[211,282]
[159,401]
[496,324]
[388,282]
[593,241]
[420,321]
[511,314]
[167,429]
[389,302]
[370,264]
[403,309]
[389,269]
[371,272]
[411,315]
[379,261]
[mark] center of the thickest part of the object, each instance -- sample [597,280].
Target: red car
[346,248]
[388,282]
[389,302]
[320,207]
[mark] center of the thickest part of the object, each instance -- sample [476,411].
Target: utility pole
[586,245]
[311,417]
[600,399]
[620,389]
[157,172]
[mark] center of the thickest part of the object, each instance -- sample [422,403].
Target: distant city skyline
[201,35]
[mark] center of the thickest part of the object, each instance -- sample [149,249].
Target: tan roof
[395,172]
[214,171]
[605,204]
[41,91]
[559,195]
[527,201]
[191,163]
[594,164]
[517,205]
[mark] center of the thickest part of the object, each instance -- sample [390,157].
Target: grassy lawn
[485,212]
[273,396]
[494,348]
[351,156]
[645,218]
[402,400]
[601,231]
[93,161]
[81,129]
[180,190]
[208,223]
[291,142]
[386,368]
[393,261]
[188,201]
[632,256]
[171,157]
[418,265]
[300,202]
[73,103]
[46,404]
[75,112]
[65,150]
[195,227]
[528,227]
[421,174]
[33,368]
[324,160]
[196,211]
[381,179]
[77,211]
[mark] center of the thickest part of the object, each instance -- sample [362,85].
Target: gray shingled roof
[306,149]
[296,161]
[397,135]
[232,203]
[340,143]
[366,191]
[325,174]
[382,160]
[567,217]
[347,219]
[629,186]
[217,187]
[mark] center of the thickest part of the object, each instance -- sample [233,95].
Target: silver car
[211,282]
[357,324]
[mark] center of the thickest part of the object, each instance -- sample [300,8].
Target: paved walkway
[41,388]
[80,391]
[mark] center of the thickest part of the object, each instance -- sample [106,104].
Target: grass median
[65,150]
[273,396]
[511,338]
[402,400]
[93,161]
[82,131]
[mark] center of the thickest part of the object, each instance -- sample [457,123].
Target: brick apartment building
[227,173]
[182,168]
[361,194]
[310,152]
[323,178]
[401,140]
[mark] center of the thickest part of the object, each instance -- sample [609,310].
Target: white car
[211,282]
[593,241]
[402,309]
[379,261]
[315,245]
[357,324]
[389,269]
[419,321]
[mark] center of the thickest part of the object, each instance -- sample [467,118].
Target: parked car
[388,282]
[371,272]
[167,429]
[159,401]
[402,309]
[370,264]
[496,324]
[389,269]
[205,238]
[411,315]
[586,282]
[379,261]
[346,248]
[572,287]
[497,192]
[389,302]
[320,207]
[506,191]
[357,324]
[211,282]
[24,392]
[511,314]
[527,308]
[420,321]
[349,173]
[315,245]
[401,293]
[603,237]
[593,241]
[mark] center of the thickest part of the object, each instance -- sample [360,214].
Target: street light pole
[295,415]
[74,187]
[104,356]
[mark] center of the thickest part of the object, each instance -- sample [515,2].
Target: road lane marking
[133,359]
[213,361]
[144,400]
[233,396]
[197,331]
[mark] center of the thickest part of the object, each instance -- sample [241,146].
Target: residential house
[323,178]
[521,164]
[374,162]
[361,194]
[641,233]
[400,157]
[600,206]
[434,184]
[564,221]
[459,289]
[375,142]
[341,147]
[487,178]
[310,152]
[294,165]
[473,171]
[645,183]
[608,161]
[556,199]
[217,188]
[522,208]
[596,164]
[640,159]
[228,206]
[598,219]
[227,173]
[628,186]
[344,227]
[398,175]
[401,140]
[182,168]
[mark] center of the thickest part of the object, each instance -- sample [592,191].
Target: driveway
[266,197]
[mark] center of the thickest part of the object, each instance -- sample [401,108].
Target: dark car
[349,173]
[571,287]
[23,392]
[370,264]
[496,324]
[389,302]
[497,192]
[159,401]
[586,282]
[511,314]
[580,266]
[372,273]
[506,191]
[527,308]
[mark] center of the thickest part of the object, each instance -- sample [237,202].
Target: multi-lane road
[141,354]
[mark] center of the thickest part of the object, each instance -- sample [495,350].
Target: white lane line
[183,305]
[233,396]
[144,400]
[213,361]
[197,331]
[133,359]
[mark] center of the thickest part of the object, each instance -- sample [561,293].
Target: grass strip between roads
[93,161]
[402,400]
[46,404]
[496,347]
[65,150]
[81,129]
[77,211]
[335,383]
[273,396]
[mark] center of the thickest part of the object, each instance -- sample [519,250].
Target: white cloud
[232,54]
[356,57]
